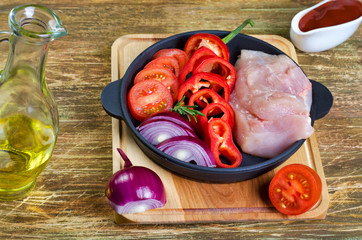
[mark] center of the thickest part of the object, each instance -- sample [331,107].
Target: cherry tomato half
[148,97]
[210,41]
[167,62]
[179,54]
[295,189]
[165,76]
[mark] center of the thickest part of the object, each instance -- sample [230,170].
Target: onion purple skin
[135,189]
[187,149]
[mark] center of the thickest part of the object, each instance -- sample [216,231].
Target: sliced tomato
[218,66]
[148,97]
[179,54]
[167,62]
[295,189]
[204,80]
[210,41]
[189,67]
[165,76]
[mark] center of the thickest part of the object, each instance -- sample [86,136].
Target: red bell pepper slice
[210,41]
[189,67]
[221,142]
[203,80]
[218,66]
[214,110]
[205,97]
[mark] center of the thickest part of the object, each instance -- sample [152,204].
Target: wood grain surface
[68,201]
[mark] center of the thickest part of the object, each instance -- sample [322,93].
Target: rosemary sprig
[186,110]
[231,35]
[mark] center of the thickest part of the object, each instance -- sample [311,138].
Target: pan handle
[111,100]
[322,100]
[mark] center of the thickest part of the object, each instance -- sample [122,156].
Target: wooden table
[68,200]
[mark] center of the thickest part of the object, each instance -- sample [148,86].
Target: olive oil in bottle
[28,113]
[25,148]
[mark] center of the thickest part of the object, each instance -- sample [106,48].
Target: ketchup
[330,14]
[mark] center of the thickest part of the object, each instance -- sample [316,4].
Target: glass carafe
[28,112]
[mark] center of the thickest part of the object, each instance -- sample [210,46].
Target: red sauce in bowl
[330,14]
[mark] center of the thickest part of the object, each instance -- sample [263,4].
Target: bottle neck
[27,56]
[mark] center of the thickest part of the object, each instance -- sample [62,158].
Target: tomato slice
[210,41]
[179,54]
[148,97]
[167,62]
[295,189]
[218,66]
[165,76]
[189,67]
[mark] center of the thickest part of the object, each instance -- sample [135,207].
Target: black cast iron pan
[114,101]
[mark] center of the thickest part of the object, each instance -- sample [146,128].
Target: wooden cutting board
[190,201]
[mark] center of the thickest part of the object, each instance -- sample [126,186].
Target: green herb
[186,110]
[231,35]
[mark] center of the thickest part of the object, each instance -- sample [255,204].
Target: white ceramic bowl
[321,39]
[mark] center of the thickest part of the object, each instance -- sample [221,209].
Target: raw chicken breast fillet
[272,100]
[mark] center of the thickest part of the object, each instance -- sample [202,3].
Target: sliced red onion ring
[156,132]
[135,189]
[188,149]
[172,117]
